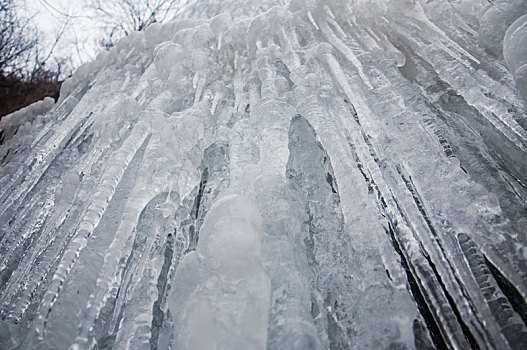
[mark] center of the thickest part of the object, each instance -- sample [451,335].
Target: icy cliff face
[282,175]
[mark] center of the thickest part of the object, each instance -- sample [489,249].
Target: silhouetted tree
[25,76]
[120,17]
[17,39]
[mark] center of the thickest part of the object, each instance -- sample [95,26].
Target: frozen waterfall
[303,174]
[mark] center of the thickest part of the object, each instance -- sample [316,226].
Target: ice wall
[345,174]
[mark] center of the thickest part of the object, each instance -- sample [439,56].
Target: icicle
[273,175]
[346,52]
[312,20]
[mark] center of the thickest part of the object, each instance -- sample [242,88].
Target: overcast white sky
[83,30]
[78,44]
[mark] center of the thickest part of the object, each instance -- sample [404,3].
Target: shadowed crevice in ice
[158,314]
[466,134]
[505,302]
[427,313]
[125,302]
[469,337]
[189,219]
[172,183]
[214,177]
[194,228]
[310,175]
[515,298]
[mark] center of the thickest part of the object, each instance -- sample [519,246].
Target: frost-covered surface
[24,120]
[515,52]
[282,175]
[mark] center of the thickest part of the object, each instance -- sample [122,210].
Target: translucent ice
[495,20]
[342,174]
[515,52]
[221,292]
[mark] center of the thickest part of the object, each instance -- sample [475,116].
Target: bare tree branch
[40,62]
[120,17]
[17,39]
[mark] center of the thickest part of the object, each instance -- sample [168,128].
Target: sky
[78,42]
[80,29]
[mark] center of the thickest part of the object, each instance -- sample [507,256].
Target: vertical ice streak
[276,174]
[220,293]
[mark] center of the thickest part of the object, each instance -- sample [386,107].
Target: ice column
[221,292]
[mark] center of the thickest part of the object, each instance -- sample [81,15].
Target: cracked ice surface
[343,174]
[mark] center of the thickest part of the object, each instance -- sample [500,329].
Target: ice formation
[304,174]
